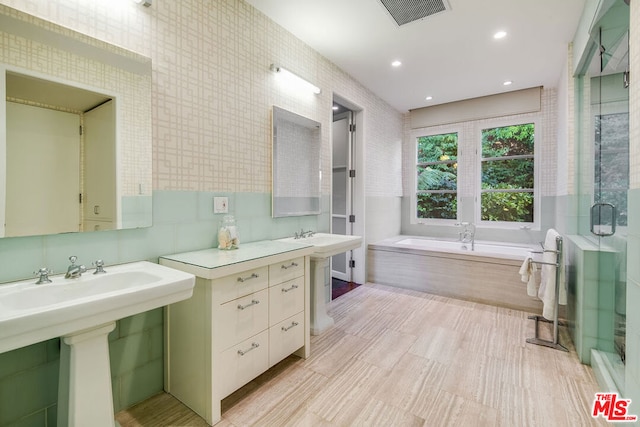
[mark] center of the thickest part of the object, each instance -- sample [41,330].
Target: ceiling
[450,56]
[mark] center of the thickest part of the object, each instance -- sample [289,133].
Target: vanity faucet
[74,271]
[303,234]
[98,264]
[43,275]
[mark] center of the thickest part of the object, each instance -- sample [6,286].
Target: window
[507,165]
[437,178]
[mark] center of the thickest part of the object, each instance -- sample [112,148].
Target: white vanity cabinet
[250,309]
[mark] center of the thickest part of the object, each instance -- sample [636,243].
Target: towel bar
[536,339]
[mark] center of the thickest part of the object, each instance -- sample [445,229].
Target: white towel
[547,290]
[528,275]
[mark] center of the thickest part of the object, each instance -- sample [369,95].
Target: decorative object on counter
[228,233]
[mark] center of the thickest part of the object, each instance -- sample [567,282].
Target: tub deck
[488,278]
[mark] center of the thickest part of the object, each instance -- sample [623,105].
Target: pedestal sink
[325,245]
[82,312]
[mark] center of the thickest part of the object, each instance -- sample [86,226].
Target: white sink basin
[31,313]
[326,245]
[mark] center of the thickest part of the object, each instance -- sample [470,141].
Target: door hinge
[352,263]
[81,130]
[352,127]
[352,218]
[352,173]
[80,198]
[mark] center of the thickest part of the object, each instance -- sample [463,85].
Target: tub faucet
[468,233]
[74,271]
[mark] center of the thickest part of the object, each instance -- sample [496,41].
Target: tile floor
[401,358]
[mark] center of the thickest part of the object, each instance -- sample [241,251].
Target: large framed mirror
[75,131]
[296,164]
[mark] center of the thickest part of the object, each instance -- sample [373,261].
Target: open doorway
[343,215]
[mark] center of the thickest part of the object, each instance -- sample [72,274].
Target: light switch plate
[220,205]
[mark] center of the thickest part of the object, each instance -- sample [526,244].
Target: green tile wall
[591,283]
[182,221]
[632,371]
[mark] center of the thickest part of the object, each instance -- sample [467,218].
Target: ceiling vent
[405,11]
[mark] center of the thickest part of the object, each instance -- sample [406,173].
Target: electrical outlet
[220,205]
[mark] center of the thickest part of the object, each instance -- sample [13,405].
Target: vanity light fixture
[295,79]
[146,3]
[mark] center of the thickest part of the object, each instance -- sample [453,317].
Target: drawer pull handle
[285,267]
[254,345]
[244,279]
[290,289]
[253,302]
[286,328]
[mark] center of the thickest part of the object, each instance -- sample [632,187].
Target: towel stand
[536,339]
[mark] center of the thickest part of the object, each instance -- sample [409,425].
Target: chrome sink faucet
[98,264]
[74,271]
[43,275]
[303,234]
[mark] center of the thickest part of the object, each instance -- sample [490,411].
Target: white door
[43,171]
[342,191]
[99,195]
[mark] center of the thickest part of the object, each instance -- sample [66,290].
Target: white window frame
[537,147]
[422,132]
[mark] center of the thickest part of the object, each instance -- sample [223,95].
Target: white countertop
[215,263]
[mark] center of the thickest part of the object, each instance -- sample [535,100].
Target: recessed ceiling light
[335,107]
[507,83]
[429,98]
[500,35]
[396,63]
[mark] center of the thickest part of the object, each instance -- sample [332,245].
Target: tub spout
[468,233]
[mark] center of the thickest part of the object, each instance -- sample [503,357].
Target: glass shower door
[603,178]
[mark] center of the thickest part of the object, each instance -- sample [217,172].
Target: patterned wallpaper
[213,90]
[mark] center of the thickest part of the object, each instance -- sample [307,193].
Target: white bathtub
[480,248]
[488,274]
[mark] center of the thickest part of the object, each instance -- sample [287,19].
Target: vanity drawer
[237,285]
[286,270]
[241,318]
[285,300]
[285,338]
[242,363]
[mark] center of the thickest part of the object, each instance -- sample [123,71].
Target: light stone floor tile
[399,357]
[412,384]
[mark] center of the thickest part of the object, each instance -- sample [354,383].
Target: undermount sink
[326,245]
[31,313]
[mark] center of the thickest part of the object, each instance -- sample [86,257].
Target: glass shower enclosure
[602,176]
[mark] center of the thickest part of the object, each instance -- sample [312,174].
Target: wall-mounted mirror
[296,164]
[75,131]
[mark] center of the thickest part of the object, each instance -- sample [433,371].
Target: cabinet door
[285,338]
[285,300]
[240,319]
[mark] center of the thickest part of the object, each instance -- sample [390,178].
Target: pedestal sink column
[320,321]
[84,392]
